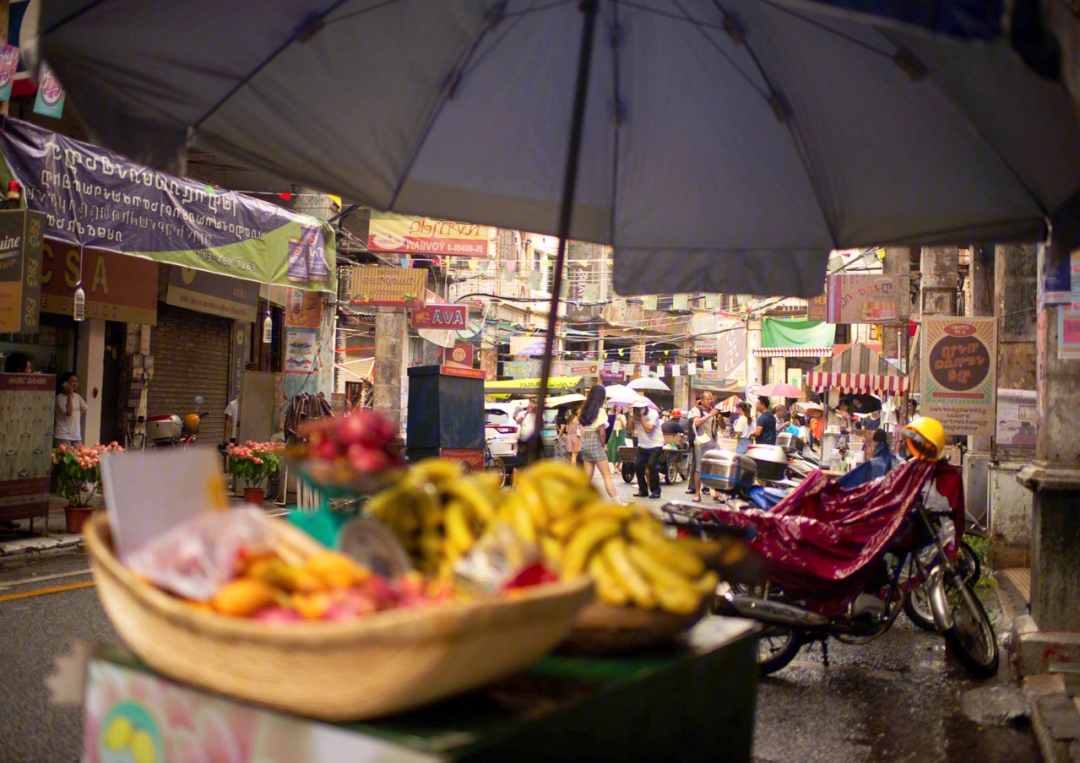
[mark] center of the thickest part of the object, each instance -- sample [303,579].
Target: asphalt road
[896,699]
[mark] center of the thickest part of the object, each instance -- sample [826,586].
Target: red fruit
[325,449]
[352,429]
[366,460]
[380,591]
[534,574]
[276,614]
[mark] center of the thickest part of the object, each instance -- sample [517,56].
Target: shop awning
[530,386]
[795,338]
[357,370]
[858,370]
[99,199]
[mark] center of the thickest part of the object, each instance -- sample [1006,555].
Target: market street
[896,699]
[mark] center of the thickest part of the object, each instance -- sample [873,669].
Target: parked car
[501,431]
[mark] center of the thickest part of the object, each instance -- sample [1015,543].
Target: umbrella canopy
[648,382]
[781,389]
[859,370]
[555,402]
[718,149]
[621,396]
[730,404]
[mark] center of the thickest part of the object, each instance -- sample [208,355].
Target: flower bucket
[76,516]
[255,495]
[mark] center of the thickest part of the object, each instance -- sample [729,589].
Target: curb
[1056,722]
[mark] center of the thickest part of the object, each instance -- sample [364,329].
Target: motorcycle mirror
[199,400]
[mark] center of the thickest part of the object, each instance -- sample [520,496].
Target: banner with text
[381,285]
[96,198]
[863,298]
[959,373]
[389,232]
[431,316]
[731,352]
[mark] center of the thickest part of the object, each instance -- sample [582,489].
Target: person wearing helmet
[925,438]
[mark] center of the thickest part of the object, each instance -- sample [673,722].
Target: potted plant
[254,463]
[78,472]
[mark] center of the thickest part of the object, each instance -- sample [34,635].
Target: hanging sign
[213,294]
[96,198]
[527,345]
[863,299]
[453,317]
[388,232]
[959,378]
[380,285]
[21,240]
[50,94]
[575,368]
[461,355]
[731,352]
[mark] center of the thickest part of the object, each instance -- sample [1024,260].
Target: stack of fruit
[324,586]
[438,514]
[342,449]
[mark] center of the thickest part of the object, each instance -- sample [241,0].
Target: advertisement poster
[21,244]
[863,299]
[1016,418]
[426,235]
[731,352]
[1069,332]
[213,294]
[817,309]
[96,198]
[522,369]
[300,351]
[527,345]
[303,309]
[26,428]
[575,368]
[452,317]
[959,378]
[50,95]
[9,63]
[380,285]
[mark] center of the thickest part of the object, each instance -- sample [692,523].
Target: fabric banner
[389,232]
[862,298]
[782,333]
[731,351]
[959,373]
[96,198]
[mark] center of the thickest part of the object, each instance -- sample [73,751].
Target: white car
[501,431]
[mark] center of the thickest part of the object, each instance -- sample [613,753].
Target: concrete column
[897,262]
[978,459]
[89,368]
[391,346]
[753,342]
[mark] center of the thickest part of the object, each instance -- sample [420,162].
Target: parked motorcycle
[844,561]
[169,431]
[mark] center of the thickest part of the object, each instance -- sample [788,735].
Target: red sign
[453,317]
[474,457]
[118,287]
[461,355]
[467,373]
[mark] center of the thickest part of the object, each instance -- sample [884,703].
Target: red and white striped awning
[858,384]
[793,352]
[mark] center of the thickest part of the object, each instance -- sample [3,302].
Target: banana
[488,481]
[655,571]
[679,601]
[522,522]
[558,470]
[706,584]
[626,573]
[380,504]
[559,498]
[608,589]
[434,470]
[552,552]
[430,546]
[457,527]
[582,542]
[471,494]
[529,495]
[563,528]
[669,554]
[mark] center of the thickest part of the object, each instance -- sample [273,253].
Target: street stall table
[693,701]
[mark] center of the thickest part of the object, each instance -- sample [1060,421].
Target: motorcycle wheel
[671,473]
[972,639]
[776,648]
[628,471]
[917,603]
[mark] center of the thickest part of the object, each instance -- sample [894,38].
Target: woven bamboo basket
[383,664]
[601,629]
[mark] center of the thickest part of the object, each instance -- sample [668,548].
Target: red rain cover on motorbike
[824,543]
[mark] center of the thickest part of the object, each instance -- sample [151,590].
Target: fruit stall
[444,619]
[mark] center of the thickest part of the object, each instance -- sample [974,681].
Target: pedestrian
[17,363]
[593,423]
[67,428]
[742,428]
[704,432]
[526,421]
[616,440]
[872,421]
[765,432]
[650,447]
[232,420]
[562,453]
[573,438]
[816,426]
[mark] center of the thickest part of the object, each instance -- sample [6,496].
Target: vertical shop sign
[959,373]
[20,270]
[731,352]
[239,357]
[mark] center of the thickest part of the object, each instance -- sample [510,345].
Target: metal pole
[577,124]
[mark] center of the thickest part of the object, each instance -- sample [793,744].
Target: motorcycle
[844,562]
[169,431]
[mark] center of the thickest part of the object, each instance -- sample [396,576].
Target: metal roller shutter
[191,357]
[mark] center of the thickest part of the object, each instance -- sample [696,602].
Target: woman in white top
[743,428]
[593,425]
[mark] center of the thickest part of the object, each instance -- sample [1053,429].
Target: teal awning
[796,338]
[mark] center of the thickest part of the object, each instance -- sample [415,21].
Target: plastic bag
[196,558]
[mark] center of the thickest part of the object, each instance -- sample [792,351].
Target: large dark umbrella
[719,146]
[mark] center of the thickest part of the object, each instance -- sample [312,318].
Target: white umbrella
[648,382]
[614,389]
[641,400]
[622,396]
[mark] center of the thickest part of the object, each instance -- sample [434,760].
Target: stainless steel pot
[727,471]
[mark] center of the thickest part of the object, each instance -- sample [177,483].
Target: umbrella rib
[70,17]
[309,24]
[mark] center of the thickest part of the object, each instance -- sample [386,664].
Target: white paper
[676,370]
[707,365]
[150,493]
[691,369]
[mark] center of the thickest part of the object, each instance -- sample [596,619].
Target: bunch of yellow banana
[623,547]
[437,512]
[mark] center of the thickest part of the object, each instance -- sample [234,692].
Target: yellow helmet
[925,438]
[192,422]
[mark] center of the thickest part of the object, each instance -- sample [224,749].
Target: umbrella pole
[573,153]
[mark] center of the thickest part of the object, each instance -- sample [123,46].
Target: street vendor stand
[689,702]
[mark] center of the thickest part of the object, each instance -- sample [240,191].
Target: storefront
[791,347]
